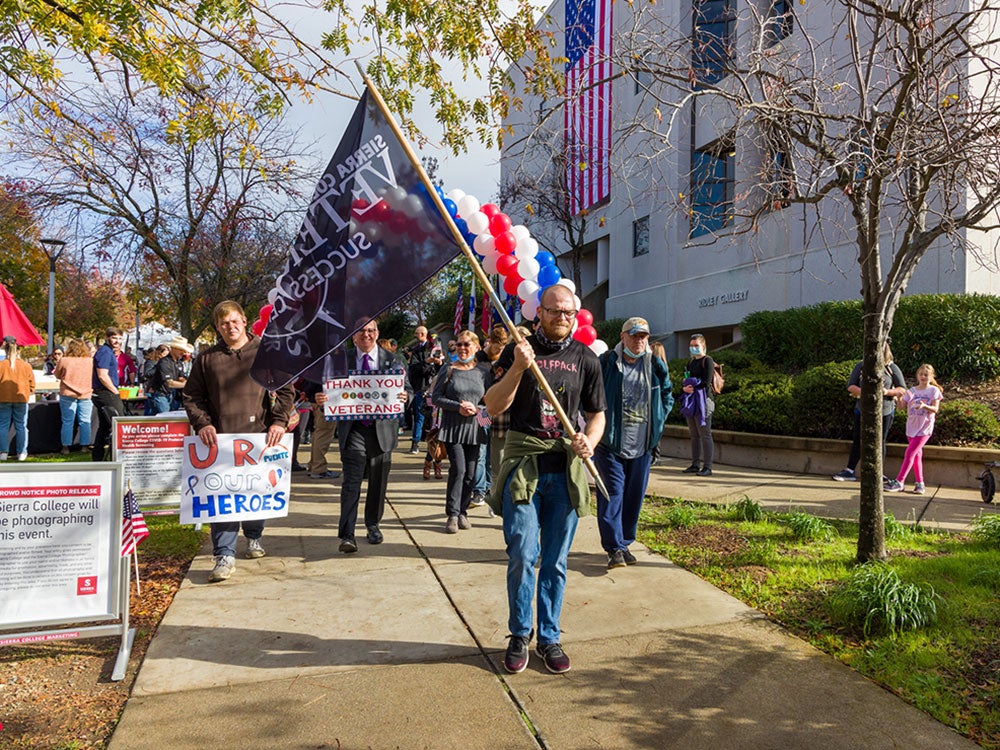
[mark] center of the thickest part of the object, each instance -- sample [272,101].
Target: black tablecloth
[44,424]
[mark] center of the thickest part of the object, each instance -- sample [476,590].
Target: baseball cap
[9,340]
[635,325]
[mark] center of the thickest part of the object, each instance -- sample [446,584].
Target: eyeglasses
[463,344]
[568,314]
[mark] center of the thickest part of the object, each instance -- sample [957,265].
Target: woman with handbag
[458,392]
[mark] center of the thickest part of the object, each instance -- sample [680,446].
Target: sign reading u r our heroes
[237,479]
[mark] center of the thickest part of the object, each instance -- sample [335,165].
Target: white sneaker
[255,549]
[3,456]
[22,456]
[224,567]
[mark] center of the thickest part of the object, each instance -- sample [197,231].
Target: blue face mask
[632,355]
[452,356]
[694,350]
[466,360]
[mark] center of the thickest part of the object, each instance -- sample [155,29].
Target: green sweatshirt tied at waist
[520,459]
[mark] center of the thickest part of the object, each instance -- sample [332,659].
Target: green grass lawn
[793,567]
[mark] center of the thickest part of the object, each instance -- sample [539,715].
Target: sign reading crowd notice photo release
[60,536]
[237,479]
[365,395]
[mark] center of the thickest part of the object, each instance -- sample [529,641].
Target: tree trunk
[871,519]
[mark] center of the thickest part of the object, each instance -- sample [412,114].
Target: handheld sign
[365,395]
[237,479]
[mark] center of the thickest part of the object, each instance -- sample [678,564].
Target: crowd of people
[521,444]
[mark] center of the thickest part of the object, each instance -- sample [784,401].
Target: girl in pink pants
[921,408]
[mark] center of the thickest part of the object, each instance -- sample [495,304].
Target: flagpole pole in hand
[481,276]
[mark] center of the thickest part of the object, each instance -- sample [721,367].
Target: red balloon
[499,224]
[586,335]
[506,265]
[490,209]
[358,205]
[258,327]
[379,212]
[511,283]
[505,243]
[265,312]
[398,221]
[584,318]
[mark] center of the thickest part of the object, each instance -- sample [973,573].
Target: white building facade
[663,243]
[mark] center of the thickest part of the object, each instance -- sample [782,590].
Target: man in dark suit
[366,446]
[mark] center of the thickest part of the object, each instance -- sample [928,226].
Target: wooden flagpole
[478,271]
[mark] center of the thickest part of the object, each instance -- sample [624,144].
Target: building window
[714,41]
[782,179]
[640,237]
[778,24]
[713,171]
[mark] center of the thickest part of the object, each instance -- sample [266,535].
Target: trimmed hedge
[957,333]
[822,406]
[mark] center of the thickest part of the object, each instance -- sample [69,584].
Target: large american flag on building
[588,110]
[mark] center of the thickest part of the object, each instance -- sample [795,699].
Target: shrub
[875,598]
[821,405]
[747,509]
[804,336]
[963,422]
[986,529]
[610,331]
[756,407]
[806,527]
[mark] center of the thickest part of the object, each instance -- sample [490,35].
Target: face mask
[452,356]
[466,360]
[695,350]
[630,354]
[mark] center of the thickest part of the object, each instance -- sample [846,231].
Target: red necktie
[366,366]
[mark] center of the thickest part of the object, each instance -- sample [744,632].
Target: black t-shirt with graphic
[167,368]
[574,373]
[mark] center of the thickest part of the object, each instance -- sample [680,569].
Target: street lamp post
[57,246]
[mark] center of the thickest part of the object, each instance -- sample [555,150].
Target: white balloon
[529,309]
[568,283]
[598,347]
[527,289]
[484,244]
[456,195]
[526,248]
[576,324]
[490,263]
[396,197]
[414,206]
[577,304]
[528,269]
[272,296]
[520,231]
[467,205]
[477,221]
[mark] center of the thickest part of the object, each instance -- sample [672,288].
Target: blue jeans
[542,527]
[161,403]
[618,515]
[18,414]
[418,417]
[224,535]
[72,409]
[483,475]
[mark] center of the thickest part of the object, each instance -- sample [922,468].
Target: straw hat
[179,342]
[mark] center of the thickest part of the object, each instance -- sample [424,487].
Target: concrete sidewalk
[400,645]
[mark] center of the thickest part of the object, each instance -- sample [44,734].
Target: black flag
[371,236]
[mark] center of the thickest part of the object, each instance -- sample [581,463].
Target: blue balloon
[545,258]
[470,238]
[463,227]
[548,275]
[450,207]
[439,190]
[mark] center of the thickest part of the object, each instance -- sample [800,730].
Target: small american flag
[587,118]
[133,524]
[459,307]
[482,418]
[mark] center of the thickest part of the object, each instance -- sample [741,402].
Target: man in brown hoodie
[220,396]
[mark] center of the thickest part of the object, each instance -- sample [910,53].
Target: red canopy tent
[15,323]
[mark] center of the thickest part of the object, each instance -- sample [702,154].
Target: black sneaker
[692,469]
[629,557]
[516,658]
[705,472]
[616,559]
[348,546]
[555,658]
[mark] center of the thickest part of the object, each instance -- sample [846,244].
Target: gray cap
[9,340]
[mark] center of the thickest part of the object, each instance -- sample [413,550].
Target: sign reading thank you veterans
[237,479]
[365,395]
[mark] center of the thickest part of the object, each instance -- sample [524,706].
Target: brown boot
[437,470]
[427,468]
